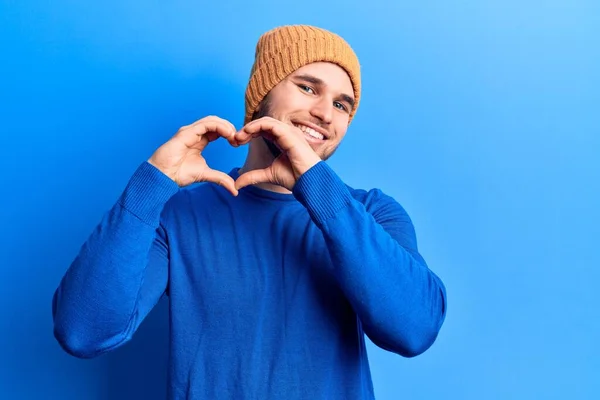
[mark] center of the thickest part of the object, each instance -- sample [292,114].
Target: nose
[323,110]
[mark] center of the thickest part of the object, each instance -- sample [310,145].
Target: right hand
[181,157]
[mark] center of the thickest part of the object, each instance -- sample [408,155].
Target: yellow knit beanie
[282,50]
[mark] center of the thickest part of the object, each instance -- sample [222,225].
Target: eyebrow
[319,82]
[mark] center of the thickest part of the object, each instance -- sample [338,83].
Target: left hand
[296,157]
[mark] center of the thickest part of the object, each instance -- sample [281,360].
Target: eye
[305,88]
[340,106]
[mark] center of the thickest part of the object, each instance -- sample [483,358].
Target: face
[316,98]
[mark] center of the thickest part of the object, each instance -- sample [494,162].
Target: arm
[120,273]
[400,302]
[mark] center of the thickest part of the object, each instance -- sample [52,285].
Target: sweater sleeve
[400,302]
[120,272]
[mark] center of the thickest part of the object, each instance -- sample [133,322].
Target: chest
[270,268]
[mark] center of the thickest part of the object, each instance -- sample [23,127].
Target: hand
[181,157]
[296,158]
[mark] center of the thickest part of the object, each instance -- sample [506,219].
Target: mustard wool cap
[284,49]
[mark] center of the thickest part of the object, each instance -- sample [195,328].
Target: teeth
[309,131]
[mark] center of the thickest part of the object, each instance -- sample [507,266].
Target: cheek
[299,103]
[341,128]
[293,106]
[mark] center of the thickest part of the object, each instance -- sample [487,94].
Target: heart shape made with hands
[181,157]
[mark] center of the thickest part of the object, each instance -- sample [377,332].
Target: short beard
[264,110]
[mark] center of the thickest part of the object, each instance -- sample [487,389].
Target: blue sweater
[270,294]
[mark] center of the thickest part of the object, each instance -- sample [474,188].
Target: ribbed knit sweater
[270,294]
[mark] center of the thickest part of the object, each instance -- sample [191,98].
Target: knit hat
[282,50]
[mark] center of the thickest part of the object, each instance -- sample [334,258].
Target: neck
[260,157]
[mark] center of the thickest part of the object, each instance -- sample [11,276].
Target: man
[274,272]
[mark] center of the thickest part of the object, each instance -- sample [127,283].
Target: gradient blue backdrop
[481,118]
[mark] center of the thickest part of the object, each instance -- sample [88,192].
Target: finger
[242,137]
[191,135]
[263,124]
[214,118]
[221,178]
[253,177]
[254,129]
[277,131]
[233,128]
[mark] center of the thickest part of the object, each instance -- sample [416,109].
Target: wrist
[161,168]
[307,163]
[322,192]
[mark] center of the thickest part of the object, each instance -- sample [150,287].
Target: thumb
[253,177]
[220,178]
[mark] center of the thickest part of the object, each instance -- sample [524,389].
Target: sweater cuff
[322,192]
[147,192]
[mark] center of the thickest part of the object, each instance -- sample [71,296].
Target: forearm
[99,301]
[399,301]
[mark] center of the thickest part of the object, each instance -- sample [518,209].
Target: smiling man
[276,271]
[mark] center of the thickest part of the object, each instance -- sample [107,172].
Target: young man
[274,272]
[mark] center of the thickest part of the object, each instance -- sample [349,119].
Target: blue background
[481,118]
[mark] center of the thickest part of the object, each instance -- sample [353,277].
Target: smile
[310,132]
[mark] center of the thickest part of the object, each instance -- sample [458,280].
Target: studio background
[480,117]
